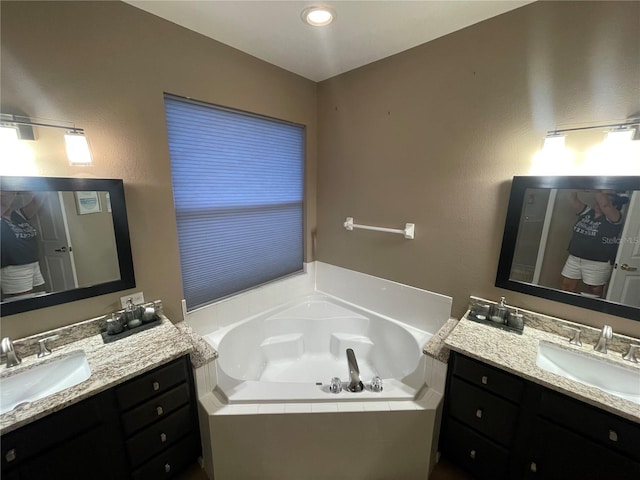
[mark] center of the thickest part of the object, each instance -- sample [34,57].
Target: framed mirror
[574,240]
[63,239]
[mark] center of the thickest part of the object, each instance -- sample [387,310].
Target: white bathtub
[264,406]
[290,354]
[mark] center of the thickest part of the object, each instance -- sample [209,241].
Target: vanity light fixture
[77,146]
[318,16]
[627,130]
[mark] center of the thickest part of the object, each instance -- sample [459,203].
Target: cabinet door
[78,458]
[557,453]
[473,452]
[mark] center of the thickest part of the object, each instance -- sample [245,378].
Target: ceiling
[364,31]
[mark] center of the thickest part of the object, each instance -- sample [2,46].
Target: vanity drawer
[154,409]
[152,383]
[487,413]
[159,435]
[605,428]
[473,452]
[170,461]
[489,378]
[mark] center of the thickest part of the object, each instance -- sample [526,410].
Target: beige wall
[434,135]
[431,136]
[105,66]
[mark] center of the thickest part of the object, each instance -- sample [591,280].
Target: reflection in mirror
[62,240]
[576,240]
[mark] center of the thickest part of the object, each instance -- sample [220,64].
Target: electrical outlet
[136,298]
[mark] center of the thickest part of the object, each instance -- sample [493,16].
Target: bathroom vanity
[498,425]
[135,417]
[504,417]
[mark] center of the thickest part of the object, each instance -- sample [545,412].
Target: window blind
[238,195]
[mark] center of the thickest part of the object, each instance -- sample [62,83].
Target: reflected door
[625,279]
[55,246]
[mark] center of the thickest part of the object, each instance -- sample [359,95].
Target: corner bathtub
[290,354]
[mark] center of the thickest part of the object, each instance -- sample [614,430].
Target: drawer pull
[479,413]
[472,454]
[156,386]
[159,410]
[613,436]
[533,467]
[484,379]
[163,437]
[167,467]
[10,455]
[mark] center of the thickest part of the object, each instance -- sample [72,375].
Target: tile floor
[444,471]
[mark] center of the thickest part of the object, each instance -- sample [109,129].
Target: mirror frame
[514,211]
[115,188]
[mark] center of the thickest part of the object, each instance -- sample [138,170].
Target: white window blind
[238,194]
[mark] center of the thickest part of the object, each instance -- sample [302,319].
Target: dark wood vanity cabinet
[77,442]
[145,428]
[499,426]
[482,412]
[159,421]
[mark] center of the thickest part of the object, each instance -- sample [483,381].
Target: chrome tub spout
[355,384]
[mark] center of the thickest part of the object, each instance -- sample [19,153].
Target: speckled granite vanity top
[517,354]
[111,363]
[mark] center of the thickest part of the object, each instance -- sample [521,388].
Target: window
[238,194]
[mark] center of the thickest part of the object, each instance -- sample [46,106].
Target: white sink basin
[618,380]
[44,379]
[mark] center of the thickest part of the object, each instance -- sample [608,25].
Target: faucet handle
[574,339]
[632,354]
[607,332]
[43,349]
[7,349]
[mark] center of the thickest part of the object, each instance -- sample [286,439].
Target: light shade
[8,134]
[318,16]
[553,143]
[78,151]
[620,135]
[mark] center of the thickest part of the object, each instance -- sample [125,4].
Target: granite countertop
[111,364]
[517,354]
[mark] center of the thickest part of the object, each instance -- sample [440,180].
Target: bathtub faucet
[355,384]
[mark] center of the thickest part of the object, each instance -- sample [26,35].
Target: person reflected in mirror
[594,242]
[20,272]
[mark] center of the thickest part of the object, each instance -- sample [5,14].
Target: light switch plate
[137,298]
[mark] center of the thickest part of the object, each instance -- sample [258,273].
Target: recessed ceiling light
[318,16]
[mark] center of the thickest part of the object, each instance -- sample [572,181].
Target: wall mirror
[596,220]
[63,239]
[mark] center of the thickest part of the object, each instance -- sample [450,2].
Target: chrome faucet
[606,334]
[355,384]
[12,356]
[633,354]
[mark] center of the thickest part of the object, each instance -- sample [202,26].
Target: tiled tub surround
[517,354]
[290,437]
[110,364]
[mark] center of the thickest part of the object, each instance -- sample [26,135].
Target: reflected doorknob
[61,249]
[627,268]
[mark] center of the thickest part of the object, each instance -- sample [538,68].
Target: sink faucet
[355,384]
[7,349]
[605,335]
